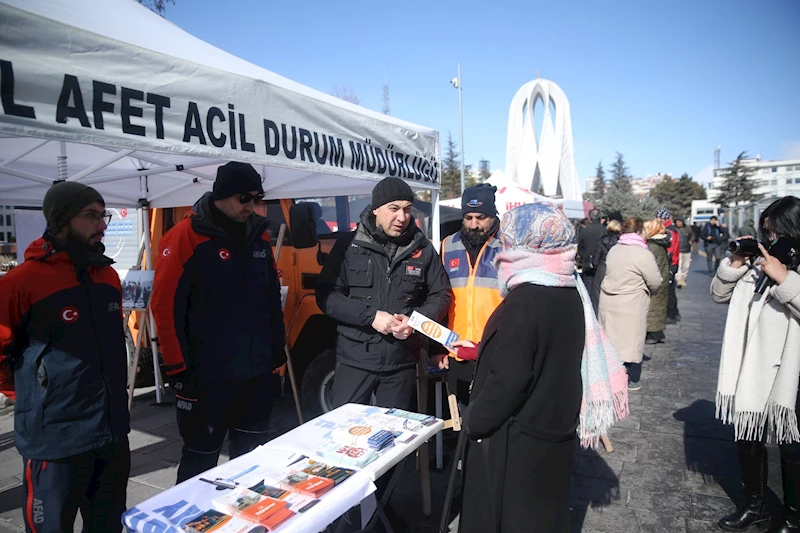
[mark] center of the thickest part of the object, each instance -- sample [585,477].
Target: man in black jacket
[714,239]
[371,283]
[217,305]
[587,241]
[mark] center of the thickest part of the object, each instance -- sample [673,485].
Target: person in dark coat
[371,283]
[587,241]
[657,243]
[613,229]
[526,396]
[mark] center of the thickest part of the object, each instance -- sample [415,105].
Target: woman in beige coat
[631,276]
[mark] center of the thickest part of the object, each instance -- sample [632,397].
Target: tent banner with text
[64,83]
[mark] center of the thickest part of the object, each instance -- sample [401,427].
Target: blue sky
[662,82]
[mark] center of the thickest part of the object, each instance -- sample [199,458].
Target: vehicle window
[272,210]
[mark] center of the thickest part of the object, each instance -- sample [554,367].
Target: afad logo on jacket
[69,314]
[224,254]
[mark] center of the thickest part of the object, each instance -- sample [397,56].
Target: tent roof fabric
[159,110]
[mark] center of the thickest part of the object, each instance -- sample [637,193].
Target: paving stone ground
[673,468]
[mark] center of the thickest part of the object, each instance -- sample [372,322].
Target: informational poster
[123,238]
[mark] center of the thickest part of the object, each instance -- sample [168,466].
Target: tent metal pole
[140,173]
[437,239]
[148,265]
[102,164]
[171,190]
[62,161]
[27,176]
[22,154]
[162,163]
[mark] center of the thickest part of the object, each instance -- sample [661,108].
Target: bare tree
[158,6]
[346,94]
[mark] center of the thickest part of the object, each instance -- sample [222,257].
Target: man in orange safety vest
[468,258]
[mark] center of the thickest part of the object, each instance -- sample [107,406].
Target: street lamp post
[457,84]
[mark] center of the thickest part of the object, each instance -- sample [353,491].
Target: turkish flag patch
[454,263]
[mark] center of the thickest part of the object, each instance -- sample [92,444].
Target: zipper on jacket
[88,294]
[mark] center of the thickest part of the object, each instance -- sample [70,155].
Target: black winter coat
[523,414]
[358,280]
[587,241]
[599,265]
[216,299]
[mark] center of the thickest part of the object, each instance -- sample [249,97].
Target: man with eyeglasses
[61,332]
[217,306]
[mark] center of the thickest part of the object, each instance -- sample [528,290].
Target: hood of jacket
[661,239]
[203,221]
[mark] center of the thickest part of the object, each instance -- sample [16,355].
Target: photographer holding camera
[759,371]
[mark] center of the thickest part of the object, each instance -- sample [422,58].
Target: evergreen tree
[620,178]
[677,195]
[599,187]
[739,186]
[451,170]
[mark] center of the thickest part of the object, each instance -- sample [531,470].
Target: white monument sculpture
[547,160]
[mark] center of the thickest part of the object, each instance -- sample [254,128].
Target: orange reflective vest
[475,288]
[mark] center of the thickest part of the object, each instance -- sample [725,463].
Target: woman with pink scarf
[546,376]
[631,277]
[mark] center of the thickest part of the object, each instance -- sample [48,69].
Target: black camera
[745,247]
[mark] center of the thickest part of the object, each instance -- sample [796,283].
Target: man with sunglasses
[217,306]
[61,332]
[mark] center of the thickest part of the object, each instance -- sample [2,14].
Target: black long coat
[523,414]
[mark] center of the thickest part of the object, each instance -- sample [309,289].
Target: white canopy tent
[107,93]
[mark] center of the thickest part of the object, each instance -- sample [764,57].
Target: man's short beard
[476,236]
[81,244]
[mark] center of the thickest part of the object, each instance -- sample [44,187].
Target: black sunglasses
[246,198]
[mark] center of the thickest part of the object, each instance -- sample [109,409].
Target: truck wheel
[317,384]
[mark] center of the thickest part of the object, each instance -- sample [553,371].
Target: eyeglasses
[246,198]
[95,217]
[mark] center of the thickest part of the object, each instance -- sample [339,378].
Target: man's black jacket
[587,241]
[359,279]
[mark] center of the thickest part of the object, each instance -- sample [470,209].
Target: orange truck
[313,226]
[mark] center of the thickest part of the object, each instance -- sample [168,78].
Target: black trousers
[94,482]
[355,385]
[672,297]
[238,409]
[753,462]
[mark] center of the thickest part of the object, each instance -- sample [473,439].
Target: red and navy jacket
[674,249]
[66,341]
[216,303]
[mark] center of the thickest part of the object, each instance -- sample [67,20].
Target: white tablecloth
[168,511]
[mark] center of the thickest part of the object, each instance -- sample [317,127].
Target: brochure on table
[203,498]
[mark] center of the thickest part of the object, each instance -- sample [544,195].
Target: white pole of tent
[140,173]
[437,239]
[149,266]
[22,154]
[100,164]
[62,161]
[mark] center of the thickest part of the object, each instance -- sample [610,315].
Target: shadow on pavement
[709,447]
[594,484]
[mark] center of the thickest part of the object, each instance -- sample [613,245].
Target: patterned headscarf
[664,214]
[539,248]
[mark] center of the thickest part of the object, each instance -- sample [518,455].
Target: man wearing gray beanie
[372,281]
[63,308]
